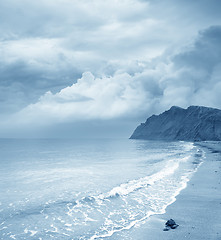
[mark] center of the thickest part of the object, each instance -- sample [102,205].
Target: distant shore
[197,209]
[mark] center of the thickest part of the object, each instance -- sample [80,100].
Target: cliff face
[195,123]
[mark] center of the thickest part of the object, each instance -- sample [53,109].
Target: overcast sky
[85,68]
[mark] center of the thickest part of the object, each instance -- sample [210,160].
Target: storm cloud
[65,62]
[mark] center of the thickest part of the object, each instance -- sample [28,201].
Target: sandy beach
[197,208]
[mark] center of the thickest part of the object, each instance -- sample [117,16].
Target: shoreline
[197,209]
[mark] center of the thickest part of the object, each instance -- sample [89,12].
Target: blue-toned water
[88,189]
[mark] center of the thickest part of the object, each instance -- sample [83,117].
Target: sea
[88,188]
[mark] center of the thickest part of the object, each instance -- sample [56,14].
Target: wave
[134,185]
[153,193]
[156,177]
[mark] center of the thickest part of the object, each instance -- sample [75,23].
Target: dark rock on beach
[170,224]
[195,123]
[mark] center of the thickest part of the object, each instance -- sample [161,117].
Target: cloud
[189,77]
[198,67]
[44,45]
[47,45]
[89,98]
[54,18]
[129,49]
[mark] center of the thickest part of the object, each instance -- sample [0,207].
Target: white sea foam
[68,224]
[33,232]
[151,180]
[131,186]
[55,228]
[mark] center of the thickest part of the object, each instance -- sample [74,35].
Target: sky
[95,68]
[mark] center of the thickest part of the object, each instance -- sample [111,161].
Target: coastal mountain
[196,123]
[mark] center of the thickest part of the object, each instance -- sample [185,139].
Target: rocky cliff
[195,123]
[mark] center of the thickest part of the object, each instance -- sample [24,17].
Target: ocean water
[88,189]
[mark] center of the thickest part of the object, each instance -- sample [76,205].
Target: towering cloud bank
[189,77]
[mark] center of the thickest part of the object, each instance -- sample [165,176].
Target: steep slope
[195,123]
